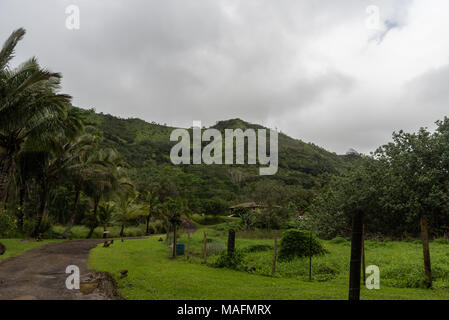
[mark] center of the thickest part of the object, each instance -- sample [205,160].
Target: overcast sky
[317,70]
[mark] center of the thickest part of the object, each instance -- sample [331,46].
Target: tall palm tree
[84,166]
[31,110]
[105,181]
[62,161]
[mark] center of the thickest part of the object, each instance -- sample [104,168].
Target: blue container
[180,249]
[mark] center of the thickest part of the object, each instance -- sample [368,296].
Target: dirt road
[40,274]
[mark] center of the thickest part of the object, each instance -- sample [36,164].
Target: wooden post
[188,245]
[426,250]
[273,269]
[356,256]
[174,241]
[363,255]
[205,248]
[310,256]
[231,242]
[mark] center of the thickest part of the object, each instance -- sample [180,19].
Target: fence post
[310,256]
[174,242]
[273,270]
[363,254]
[205,249]
[231,242]
[188,245]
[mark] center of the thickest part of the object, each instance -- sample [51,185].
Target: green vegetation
[15,247]
[152,275]
[299,243]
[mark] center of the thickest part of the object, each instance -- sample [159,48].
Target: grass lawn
[15,247]
[152,275]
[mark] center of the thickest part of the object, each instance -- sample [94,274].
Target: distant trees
[402,189]
[214,206]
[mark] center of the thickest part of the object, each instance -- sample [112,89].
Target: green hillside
[304,168]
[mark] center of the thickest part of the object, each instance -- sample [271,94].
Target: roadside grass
[15,247]
[152,275]
[400,263]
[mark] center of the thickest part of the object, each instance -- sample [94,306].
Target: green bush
[7,224]
[234,261]
[295,243]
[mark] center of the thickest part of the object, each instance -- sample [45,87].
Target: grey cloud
[175,61]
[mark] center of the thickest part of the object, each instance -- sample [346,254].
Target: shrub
[7,224]
[232,262]
[295,243]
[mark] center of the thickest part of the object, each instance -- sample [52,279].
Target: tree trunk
[188,246]
[205,248]
[148,224]
[231,242]
[92,228]
[42,208]
[7,167]
[310,256]
[273,268]
[426,250]
[356,255]
[122,230]
[21,214]
[363,254]
[72,217]
[174,241]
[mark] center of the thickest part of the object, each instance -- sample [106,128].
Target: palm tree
[84,166]
[106,180]
[105,213]
[60,162]
[127,209]
[31,110]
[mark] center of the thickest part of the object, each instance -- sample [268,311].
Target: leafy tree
[247,215]
[151,208]
[214,206]
[174,210]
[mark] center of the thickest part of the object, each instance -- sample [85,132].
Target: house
[251,205]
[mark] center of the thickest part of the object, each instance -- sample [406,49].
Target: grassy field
[15,247]
[400,263]
[152,275]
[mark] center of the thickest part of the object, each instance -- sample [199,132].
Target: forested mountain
[304,168]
